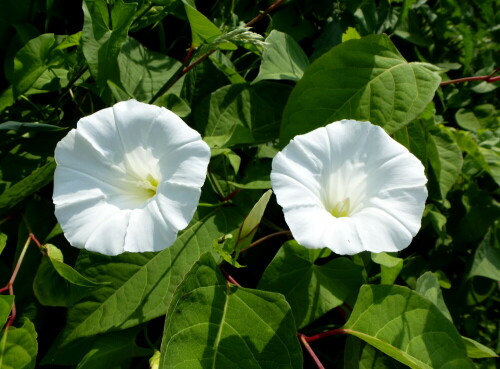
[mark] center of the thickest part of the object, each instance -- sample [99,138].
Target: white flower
[128,178]
[350,187]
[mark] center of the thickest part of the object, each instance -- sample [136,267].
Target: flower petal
[148,231]
[177,204]
[80,219]
[108,238]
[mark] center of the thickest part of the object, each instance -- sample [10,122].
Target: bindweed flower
[350,187]
[128,178]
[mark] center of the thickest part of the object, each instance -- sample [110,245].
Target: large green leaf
[27,186]
[363,79]
[141,284]
[220,325]
[310,287]
[487,257]
[242,113]
[104,32]
[407,327]
[144,72]
[18,347]
[445,158]
[360,355]
[282,58]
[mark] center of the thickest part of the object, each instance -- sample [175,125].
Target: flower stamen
[150,184]
[341,209]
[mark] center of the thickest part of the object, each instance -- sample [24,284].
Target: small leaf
[445,158]
[27,186]
[58,284]
[225,326]
[365,79]
[22,127]
[19,347]
[6,302]
[407,327]
[282,58]
[487,257]
[350,34]
[476,350]
[203,30]
[312,289]
[428,286]
[3,242]
[390,266]
[252,221]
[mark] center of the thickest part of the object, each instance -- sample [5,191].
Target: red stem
[321,335]
[229,278]
[264,13]
[303,339]
[488,79]
[265,238]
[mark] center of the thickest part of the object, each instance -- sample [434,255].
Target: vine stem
[265,238]
[10,284]
[333,332]
[305,343]
[488,78]
[186,67]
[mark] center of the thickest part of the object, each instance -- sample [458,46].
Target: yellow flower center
[150,185]
[341,209]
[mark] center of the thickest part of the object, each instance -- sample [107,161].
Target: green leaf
[27,186]
[58,284]
[18,347]
[242,113]
[476,350]
[445,158]
[219,325]
[482,116]
[144,72]
[428,287]
[360,355]
[407,327]
[141,284]
[310,287]
[252,221]
[486,261]
[22,127]
[33,60]
[109,351]
[104,32]
[365,79]
[3,242]
[203,30]
[282,58]
[350,34]
[390,266]
[6,302]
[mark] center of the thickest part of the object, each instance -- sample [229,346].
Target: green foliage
[207,325]
[249,80]
[403,325]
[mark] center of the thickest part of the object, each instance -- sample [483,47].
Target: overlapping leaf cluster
[248,91]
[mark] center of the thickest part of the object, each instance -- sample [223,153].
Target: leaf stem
[303,339]
[186,67]
[265,238]
[229,278]
[488,79]
[333,332]
[10,284]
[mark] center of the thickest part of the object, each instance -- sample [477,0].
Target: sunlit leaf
[226,326]
[407,327]
[6,302]
[428,286]
[283,58]
[364,79]
[19,346]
